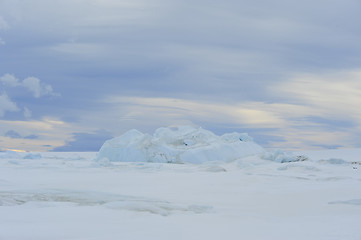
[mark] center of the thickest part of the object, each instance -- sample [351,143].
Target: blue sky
[74,73]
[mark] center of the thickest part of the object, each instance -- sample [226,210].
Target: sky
[74,73]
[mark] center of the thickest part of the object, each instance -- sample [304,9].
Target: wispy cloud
[335,94]
[33,135]
[12,134]
[27,113]
[3,24]
[9,80]
[170,108]
[38,88]
[6,105]
[311,109]
[32,84]
[48,134]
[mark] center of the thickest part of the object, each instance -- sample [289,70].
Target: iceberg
[178,145]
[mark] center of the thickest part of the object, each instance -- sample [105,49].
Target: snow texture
[70,196]
[178,145]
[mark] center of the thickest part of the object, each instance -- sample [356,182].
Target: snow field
[182,183]
[69,196]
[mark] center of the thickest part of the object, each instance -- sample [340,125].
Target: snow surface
[261,196]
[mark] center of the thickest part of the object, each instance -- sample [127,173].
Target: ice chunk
[9,154]
[33,156]
[235,137]
[180,144]
[334,161]
[281,156]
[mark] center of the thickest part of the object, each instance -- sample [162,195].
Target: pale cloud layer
[287,72]
[45,128]
[291,122]
[335,95]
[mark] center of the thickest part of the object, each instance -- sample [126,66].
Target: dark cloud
[14,134]
[32,136]
[85,142]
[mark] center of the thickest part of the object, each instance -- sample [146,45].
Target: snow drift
[180,144]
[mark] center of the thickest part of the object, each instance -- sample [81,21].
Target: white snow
[70,196]
[178,145]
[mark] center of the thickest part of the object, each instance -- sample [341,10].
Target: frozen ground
[70,196]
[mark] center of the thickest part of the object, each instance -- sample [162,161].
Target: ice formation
[278,155]
[9,154]
[179,144]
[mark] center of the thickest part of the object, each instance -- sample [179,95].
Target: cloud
[32,84]
[36,135]
[3,24]
[27,113]
[227,65]
[83,142]
[32,136]
[9,80]
[310,112]
[334,95]
[171,109]
[6,105]
[38,88]
[12,134]
[323,108]
[147,114]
